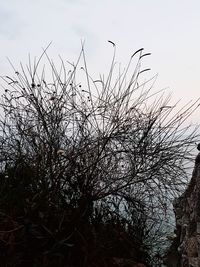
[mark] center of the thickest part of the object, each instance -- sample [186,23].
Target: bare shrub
[88,166]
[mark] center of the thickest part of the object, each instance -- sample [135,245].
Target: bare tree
[110,149]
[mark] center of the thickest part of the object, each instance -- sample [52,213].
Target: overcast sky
[169,29]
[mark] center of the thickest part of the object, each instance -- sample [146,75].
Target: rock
[185,249]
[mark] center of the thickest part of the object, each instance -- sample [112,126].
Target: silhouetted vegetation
[87,167]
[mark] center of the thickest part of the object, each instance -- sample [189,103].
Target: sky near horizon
[170,30]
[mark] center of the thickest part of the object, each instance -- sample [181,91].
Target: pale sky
[169,29]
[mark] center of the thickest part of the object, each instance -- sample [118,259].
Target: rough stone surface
[185,249]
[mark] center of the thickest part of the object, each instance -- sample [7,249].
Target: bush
[88,167]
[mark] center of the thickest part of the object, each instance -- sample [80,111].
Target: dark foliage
[87,169]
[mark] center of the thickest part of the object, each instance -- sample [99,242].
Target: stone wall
[185,249]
